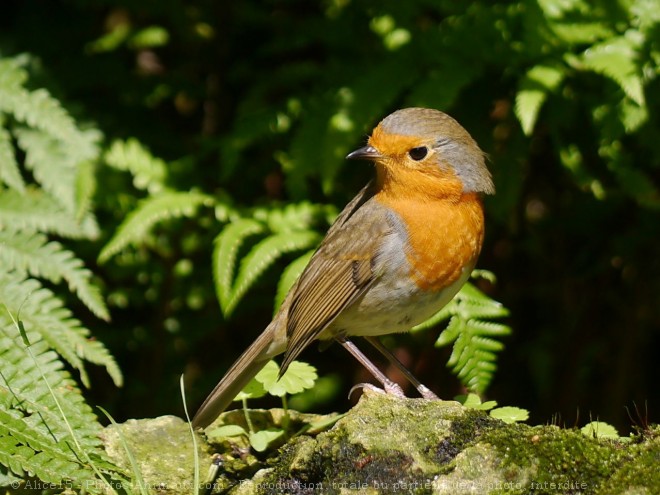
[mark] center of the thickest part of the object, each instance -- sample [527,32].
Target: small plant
[298,377]
[508,414]
[602,430]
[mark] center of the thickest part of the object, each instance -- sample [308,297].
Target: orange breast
[445,235]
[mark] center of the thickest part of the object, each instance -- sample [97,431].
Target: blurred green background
[257,102]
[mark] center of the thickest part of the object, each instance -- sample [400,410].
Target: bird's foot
[390,388]
[426,392]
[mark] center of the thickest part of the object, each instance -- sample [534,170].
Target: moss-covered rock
[163,451]
[417,446]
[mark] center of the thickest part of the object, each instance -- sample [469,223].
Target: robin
[397,253]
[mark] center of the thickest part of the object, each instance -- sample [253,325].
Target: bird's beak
[365,153]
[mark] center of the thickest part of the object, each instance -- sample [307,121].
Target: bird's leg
[421,388]
[389,386]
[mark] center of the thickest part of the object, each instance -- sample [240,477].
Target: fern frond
[263,255]
[295,216]
[36,211]
[38,109]
[225,251]
[151,211]
[534,89]
[33,254]
[149,173]
[9,172]
[46,315]
[52,163]
[34,438]
[84,189]
[475,338]
[615,59]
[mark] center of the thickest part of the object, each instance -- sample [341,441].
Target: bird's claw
[390,388]
[426,392]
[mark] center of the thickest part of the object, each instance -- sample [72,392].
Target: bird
[395,255]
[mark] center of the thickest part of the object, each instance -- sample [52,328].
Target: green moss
[332,464]
[415,446]
[563,461]
[639,474]
[465,429]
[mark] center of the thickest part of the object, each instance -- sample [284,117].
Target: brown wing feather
[338,273]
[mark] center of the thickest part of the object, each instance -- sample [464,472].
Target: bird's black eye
[419,153]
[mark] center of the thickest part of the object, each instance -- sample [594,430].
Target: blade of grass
[196,485]
[137,474]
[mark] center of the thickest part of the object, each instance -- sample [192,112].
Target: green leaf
[33,254]
[580,33]
[533,91]
[225,252]
[110,41]
[35,438]
[298,377]
[263,255]
[54,164]
[149,37]
[39,110]
[253,390]
[226,431]
[37,211]
[151,211]
[44,314]
[473,401]
[615,58]
[633,116]
[261,439]
[9,171]
[475,339]
[600,429]
[85,189]
[451,333]
[149,173]
[510,414]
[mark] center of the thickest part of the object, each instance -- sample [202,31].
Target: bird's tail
[241,372]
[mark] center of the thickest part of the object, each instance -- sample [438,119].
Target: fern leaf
[12,78]
[84,190]
[475,339]
[9,172]
[264,255]
[475,352]
[580,33]
[474,304]
[46,316]
[38,109]
[34,438]
[149,173]
[295,216]
[33,254]
[451,333]
[615,59]
[151,211]
[289,277]
[50,166]
[534,89]
[225,252]
[36,211]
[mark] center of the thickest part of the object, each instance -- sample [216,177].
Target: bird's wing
[338,273]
